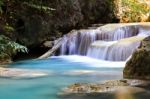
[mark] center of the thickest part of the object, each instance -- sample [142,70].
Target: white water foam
[91,61]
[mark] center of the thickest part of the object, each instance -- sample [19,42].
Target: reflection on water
[62,72]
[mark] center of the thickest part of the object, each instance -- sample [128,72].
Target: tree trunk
[53,49]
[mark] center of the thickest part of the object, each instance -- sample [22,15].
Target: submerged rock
[138,66]
[20,73]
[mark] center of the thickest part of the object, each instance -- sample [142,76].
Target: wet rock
[138,67]
[112,86]
[48,44]
[113,89]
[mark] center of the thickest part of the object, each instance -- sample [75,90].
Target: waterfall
[114,50]
[99,49]
[77,42]
[115,42]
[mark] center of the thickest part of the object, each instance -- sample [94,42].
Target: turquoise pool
[62,71]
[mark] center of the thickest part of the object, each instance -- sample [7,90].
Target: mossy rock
[138,66]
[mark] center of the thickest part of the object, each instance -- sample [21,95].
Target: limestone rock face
[138,67]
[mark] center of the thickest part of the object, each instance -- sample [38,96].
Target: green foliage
[39,7]
[8,28]
[135,11]
[1,3]
[9,48]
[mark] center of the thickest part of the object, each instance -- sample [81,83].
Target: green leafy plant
[9,28]
[9,48]
[39,7]
[135,11]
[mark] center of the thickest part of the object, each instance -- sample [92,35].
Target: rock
[138,67]
[57,44]
[112,86]
[116,83]
[80,72]
[48,44]
[21,73]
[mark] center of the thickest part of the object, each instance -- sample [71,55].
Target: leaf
[8,47]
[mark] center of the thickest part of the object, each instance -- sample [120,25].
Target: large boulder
[138,67]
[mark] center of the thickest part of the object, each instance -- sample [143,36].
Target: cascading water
[109,42]
[78,42]
[114,50]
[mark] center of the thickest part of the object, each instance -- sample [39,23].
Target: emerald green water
[62,71]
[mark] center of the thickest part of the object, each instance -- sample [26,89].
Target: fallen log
[53,49]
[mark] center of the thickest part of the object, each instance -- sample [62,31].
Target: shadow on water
[142,95]
[89,96]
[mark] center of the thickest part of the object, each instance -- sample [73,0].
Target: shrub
[9,48]
[134,11]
